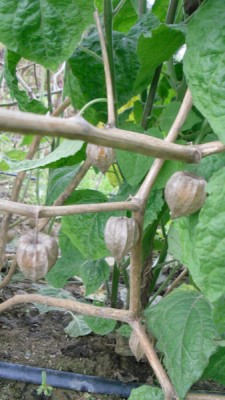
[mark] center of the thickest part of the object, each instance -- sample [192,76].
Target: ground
[30,338]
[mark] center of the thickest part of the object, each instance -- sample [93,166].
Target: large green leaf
[86,231]
[24,101]
[154,50]
[183,325]
[45,31]
[204,62]
[93,274]
[146,393]
[207,268]
[68,265]
[69,152]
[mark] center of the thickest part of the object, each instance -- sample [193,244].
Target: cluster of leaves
[189,323]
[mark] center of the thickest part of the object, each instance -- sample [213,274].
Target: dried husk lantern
[36,254]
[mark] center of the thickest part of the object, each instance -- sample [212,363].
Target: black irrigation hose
[66,380]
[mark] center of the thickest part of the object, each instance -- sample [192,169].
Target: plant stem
[142,7]
[48,79]
[164,284]
[152,91]
[108,20]
[118,7]
[85,107]
[115,285]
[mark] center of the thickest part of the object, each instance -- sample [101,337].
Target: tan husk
[36,254]
[100,156]
[121,235]
[185,193]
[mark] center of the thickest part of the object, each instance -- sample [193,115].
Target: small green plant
[44,388]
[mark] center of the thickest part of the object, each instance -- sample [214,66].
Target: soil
[30,338]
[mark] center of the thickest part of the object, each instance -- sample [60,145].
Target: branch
[108,76]
[66,304]
[153,360]
[78,129]
[31,211]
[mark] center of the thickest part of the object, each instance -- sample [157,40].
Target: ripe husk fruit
[121,235]
[36,254]
[101,157]
[185,193]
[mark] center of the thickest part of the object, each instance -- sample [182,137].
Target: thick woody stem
[79,129]
[72,305]
[32,211]
[154,361]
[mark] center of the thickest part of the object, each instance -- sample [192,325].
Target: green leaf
[73,90]
[207,266]
[67,153]
[207,166]
[204,63]
[86,231]
[169,114]
[24,101]
[16,154]
[154,206]
[188,340]
[100,326]
[53,292]
[59,179]
[4,166]
[216,368]
[135,166]
[44,31]
[168,169]
[146,393]
[164,41]
[125,18]
[77,327]
[68,265]
[89,70]
[124,330]
[93,274]
[160,8]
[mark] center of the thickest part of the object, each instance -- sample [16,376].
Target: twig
[66,304]
[26,86]
[79,129]
[176,281]
[53,211]
[153,360]
[108,76]
[84,108]
[118,7]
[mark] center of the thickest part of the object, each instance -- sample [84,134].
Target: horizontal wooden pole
[33,211]
[77,128]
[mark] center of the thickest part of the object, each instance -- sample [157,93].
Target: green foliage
[40,30]
[189,324]
[146,393]
[183,325]
[100,326]
[216,368]
[161,44]
[24,102]
[77,327]
[203,63]
[93,274]
[67,153]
